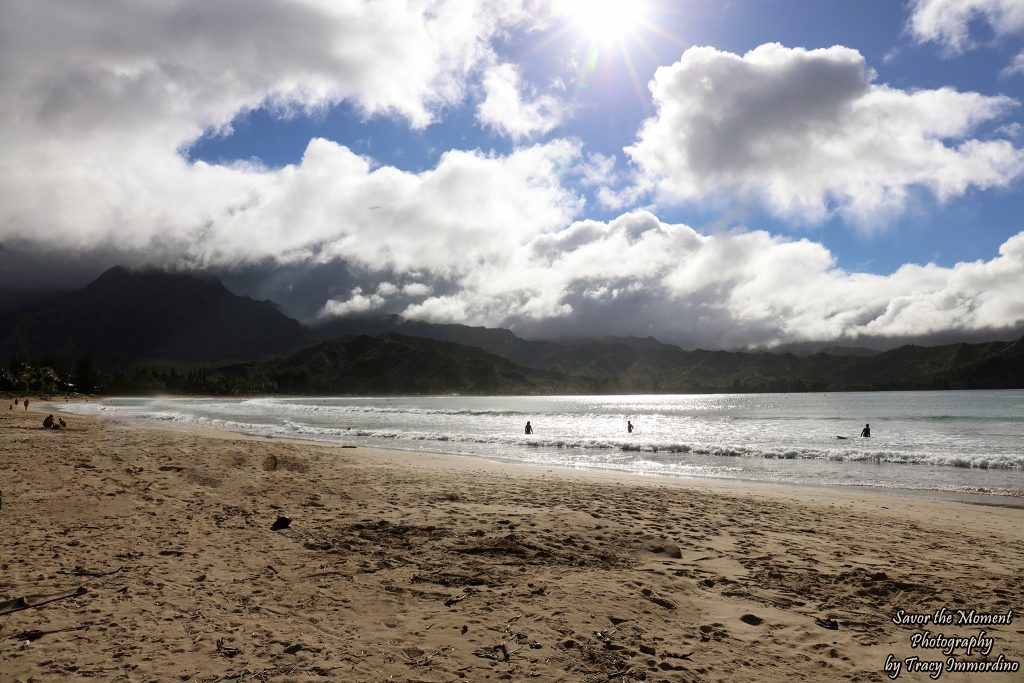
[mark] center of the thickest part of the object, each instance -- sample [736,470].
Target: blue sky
[746,173]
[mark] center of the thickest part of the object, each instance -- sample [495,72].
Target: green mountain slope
[499,341]
[397,364]
[618,368]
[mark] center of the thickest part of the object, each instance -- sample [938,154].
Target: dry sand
[132,553]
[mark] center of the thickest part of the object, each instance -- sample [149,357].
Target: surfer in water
[866,431]
[629,426]
[529,427]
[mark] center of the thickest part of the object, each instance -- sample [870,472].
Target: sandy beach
[133,553]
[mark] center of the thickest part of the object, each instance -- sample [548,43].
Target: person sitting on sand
[629,426]
[529,427]
[866,431]
[48,422]
[63,424]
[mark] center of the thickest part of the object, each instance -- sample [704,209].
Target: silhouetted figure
[629,426]
[866,431]
[529,427]
[48,422]
[26,404]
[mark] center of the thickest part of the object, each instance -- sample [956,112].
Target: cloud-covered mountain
[505,221]
[129,319]
[126,318]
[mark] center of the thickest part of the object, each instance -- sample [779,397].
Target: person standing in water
[629,426]
[866,431]
[529,427]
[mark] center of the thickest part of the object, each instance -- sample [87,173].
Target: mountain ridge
[152,318]
[128,317]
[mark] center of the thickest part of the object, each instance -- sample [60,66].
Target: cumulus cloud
[1015,67]
[177,68]
[357,303]
[333,205]
[96,106]
[505,110]
[387,292]
[808,133]
[638,275]
[98,101]
[948,21]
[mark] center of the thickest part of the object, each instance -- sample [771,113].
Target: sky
[739,174]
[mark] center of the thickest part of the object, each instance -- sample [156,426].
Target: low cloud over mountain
[100,108]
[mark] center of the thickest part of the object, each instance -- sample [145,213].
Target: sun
[604,21]
[605,35]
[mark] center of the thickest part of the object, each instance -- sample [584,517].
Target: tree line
[55,376]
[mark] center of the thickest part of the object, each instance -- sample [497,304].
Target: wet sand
[134,553]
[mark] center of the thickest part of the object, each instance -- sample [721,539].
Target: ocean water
[963,442]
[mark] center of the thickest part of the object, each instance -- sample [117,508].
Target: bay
[969,442]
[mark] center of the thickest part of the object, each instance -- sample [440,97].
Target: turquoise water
[962,441]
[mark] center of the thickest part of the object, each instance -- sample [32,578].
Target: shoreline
[156,548]
[990,499]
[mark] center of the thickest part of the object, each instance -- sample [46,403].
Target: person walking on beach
[629,426]
[26,404]
[529,427]
[866,431]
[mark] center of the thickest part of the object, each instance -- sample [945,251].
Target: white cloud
[173,69]
[807,133]
[417,289]
[1012,130]
[439,309]
[357,303]
[613,188]
[598,170]
[386,289]
[332,205]
[1015,67]
[97,104]
[948,21]
[505,110]
[637,275]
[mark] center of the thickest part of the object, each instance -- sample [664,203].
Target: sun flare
[603,21]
